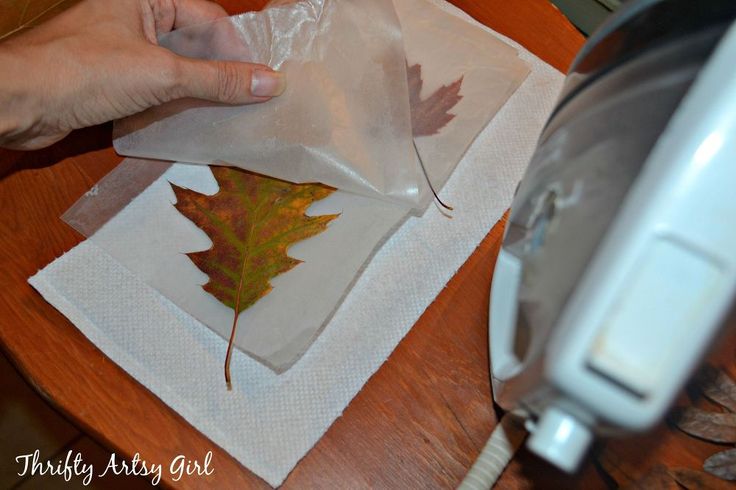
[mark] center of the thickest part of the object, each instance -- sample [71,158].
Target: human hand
[100,61]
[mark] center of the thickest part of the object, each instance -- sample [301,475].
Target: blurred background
[587,14]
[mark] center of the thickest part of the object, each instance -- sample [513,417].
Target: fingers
[191,12]
[228,82]
[166,15]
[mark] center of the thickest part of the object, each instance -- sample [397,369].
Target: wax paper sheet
[151,238]
[345,117]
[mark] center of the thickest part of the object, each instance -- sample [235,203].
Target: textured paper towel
[280,417]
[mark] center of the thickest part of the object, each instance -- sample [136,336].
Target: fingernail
[267,83]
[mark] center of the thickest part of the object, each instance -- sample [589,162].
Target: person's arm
[100,61]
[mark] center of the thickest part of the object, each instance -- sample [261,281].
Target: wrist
[19,114]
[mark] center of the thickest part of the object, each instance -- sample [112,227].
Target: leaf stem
[231,342]
[426,176]
[230,348]
[236,314]
[236,309]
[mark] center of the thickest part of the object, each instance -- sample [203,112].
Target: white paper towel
[270,421]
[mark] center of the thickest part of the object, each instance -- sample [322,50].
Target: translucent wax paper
[150,237]
[343,121]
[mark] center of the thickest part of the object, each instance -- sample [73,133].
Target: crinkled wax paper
[151,238]
[343,120]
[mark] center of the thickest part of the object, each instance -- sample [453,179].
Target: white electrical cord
[505,440]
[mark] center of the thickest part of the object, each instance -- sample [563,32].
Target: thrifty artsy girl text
[72,465]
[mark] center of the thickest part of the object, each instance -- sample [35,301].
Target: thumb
[230,82]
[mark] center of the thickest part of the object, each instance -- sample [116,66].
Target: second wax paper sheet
[269,421]
[150,237]
[344,119]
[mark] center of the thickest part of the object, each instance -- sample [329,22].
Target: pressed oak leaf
[711,426]
[718,387]
[252,221]
[722,465]
[430,115]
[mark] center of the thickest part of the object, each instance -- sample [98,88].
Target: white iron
[619,260]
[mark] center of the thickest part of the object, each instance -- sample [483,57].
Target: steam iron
[618,265]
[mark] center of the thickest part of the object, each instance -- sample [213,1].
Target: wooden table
[418,423]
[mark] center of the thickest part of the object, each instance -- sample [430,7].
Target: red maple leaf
[430,115]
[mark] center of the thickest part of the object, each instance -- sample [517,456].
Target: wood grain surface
[418,423]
